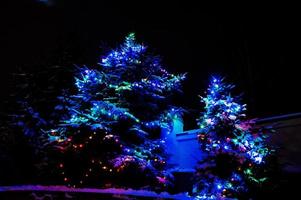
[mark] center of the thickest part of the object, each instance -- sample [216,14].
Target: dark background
[254,46]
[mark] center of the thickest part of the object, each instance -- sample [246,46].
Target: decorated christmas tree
[107,129]
[236,150]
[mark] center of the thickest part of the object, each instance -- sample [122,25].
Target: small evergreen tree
[236,150]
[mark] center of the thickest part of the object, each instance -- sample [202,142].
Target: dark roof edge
[258,121]
[279,117]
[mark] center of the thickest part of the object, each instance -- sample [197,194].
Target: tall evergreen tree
[108,132]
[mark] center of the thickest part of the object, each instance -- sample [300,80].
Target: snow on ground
[112,191]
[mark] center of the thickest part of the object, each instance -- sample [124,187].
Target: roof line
[259,121]
[279,117]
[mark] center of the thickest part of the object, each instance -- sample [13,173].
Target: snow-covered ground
[110,191]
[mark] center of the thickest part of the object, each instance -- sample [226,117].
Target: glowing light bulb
[258,159]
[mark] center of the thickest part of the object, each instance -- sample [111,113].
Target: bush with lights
[109,130]
[237,152]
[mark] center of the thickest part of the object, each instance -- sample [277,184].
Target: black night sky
[255,47]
